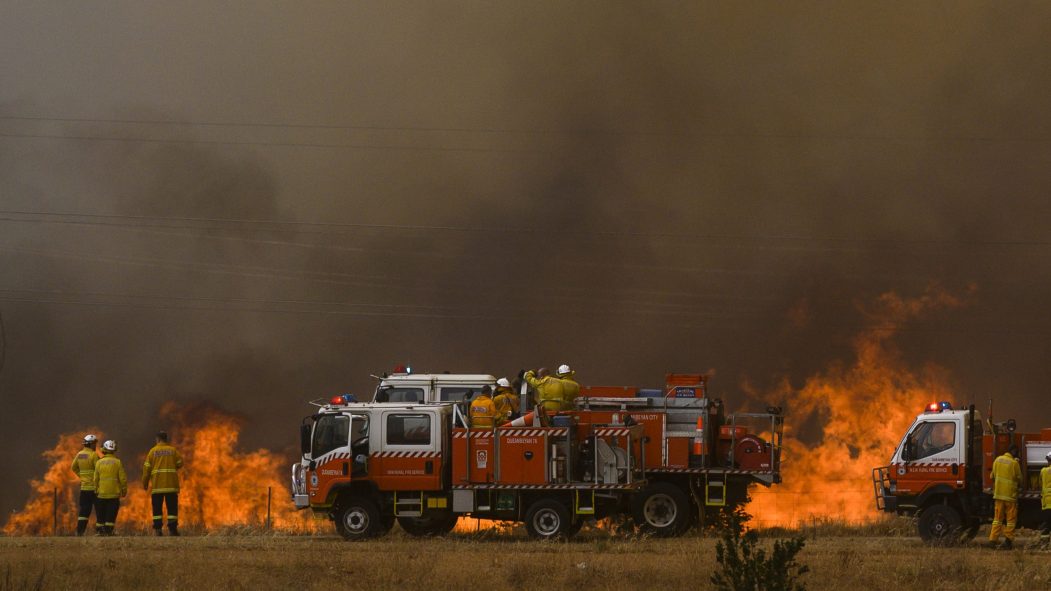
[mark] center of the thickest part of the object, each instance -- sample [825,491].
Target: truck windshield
[330,432]
[931,438]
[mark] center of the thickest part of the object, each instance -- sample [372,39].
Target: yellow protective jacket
[111,481]
[506,402]
[161,469]
[483,412]
[84,467]
[570,391]
[1045,488]
[549,391]
[1007,475]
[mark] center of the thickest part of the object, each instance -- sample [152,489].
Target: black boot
[173,530]
[1007,545]
[158,532]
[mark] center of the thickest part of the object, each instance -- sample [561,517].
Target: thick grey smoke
[632,190]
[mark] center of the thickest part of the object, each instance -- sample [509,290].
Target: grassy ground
[593,561]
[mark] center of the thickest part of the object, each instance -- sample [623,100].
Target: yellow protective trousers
[1004,511]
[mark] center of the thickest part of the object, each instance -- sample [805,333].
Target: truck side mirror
[304,439]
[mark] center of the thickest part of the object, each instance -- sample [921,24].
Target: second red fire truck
[661,456]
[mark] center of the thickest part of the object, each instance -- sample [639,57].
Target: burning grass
[222,487]
[864,408]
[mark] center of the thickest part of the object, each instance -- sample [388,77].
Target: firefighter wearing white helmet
[111,484]
[84,467]
[506,401]
[570,387]
[1045,503]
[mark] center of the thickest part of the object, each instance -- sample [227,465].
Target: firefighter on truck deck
[570,387]
[162,470]
[483,411]
[506,401]
[549,391]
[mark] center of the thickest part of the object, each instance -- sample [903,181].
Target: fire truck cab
[940,472]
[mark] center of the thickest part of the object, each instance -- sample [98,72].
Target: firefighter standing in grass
[1045,503]
[84,468]
[549,391]
[1007,477]
[162,471]
[570,387]
[111,484]
[483,411]
[506,401]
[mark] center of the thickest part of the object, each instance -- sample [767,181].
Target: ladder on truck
[715,489]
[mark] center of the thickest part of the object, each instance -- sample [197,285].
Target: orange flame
[865,409]
[220,486]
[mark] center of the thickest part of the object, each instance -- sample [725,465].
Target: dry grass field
[593,561]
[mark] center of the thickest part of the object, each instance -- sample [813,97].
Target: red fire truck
[662,456]
[941,471]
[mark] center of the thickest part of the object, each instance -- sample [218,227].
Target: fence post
[54,512]
[269,495]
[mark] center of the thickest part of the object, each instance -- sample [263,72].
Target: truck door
[330,453]
[931,454]
[409,452]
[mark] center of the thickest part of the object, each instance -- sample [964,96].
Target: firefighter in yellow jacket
[161,470]
[1007,478]
[1045,503]
[506,401]
[111,485]
[549,391]
[84,467]
[570,387]
[483,410]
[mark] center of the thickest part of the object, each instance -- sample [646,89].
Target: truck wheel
[548,519]
[359,519]
[940,525]
[433,525]
[662,510]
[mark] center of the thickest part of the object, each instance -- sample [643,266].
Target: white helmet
[563,369]
[90,438]
[1048,457]
[503,383]
[110,445]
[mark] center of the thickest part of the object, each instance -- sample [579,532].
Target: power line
[347,146]
[537,131]
[321,227]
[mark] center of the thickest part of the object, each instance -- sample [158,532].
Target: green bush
[745,567]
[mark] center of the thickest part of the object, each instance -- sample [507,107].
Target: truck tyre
[662,510]
[359,519]
[940,525]
[548,519]
[432,525]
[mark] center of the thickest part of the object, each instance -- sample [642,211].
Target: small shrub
[745,567]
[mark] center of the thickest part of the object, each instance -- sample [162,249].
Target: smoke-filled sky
[259,204]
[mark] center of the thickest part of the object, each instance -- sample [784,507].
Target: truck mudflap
[882,486]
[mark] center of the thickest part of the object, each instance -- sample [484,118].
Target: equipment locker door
[409,451]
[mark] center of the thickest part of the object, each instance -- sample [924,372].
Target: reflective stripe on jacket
[1045,488]
[111,481]
[84,467]
[1007,475]
[548,391]
[161,469]
[483,412]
